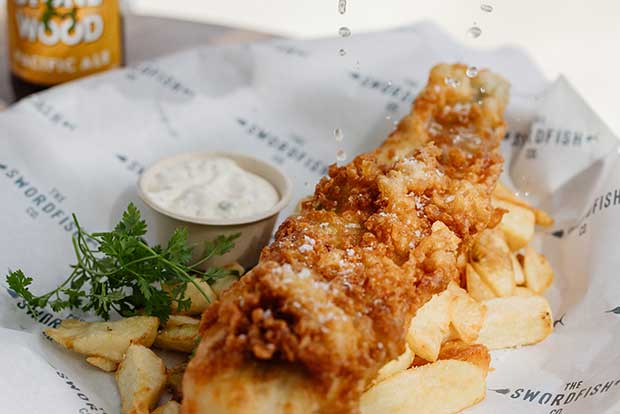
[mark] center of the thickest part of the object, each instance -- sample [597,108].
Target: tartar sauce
[211,188]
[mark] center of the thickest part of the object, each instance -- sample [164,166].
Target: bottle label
[54,41]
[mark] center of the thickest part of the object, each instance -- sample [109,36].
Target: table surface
[145,39]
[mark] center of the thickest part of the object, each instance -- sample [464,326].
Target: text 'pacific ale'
[54,41]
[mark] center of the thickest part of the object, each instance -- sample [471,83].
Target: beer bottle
[54,41]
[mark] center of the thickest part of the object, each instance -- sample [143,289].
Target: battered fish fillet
[331,299]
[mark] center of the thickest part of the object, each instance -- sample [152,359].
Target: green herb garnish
[123,273]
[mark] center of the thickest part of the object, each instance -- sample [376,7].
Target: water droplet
[486,8]
[342,52]
[482,90]
[342,6]
[474,32]
[471,72]
[388,117]
[338,135]
[344,31]
[451,82]
[341,155]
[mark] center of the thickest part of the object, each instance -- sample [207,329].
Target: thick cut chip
[181,320]
[503,193]
[108,340]
[476,287]
[236,268]
[397,365]
[171,407]
[466,314]
[518,270]
[174,381]
[516,321]
[443,387]
[179,334]
[223,283]
[430,326]
[523,291]
[102,363]
[476,354]
[141,378]
[490,257]
[517,224]
[199,303]
[538,271]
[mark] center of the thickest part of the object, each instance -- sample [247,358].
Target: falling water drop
[486,8]
[342,52]
[338,135]
[342,6]
[451,82]
[344,31]
[474,32]
[341,155]
[471,72]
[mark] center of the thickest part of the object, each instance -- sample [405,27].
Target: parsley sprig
[126,275]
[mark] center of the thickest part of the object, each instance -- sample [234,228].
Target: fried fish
[330,302]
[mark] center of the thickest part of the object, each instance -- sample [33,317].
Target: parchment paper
[81,147]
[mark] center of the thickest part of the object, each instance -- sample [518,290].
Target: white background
[576,37]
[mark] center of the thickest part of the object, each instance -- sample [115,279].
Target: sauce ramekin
[256,230]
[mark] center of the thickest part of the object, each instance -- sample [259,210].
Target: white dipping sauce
[211,188]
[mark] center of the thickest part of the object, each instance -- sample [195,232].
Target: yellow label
[54,41]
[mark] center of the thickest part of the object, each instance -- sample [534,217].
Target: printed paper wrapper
[81,147]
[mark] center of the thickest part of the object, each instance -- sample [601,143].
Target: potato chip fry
[476,287]
[102,363]
[430,327]
[490,257]
[199,303]
[223,283]
[442,387]
[476,354]
[503,193]
[517,224]
[171,407]
[466,314]
[523,291]
[538,271]
[518,270]
[108,340]
[141,378]
[515,321]
[174,380]
[395,366]
[179,334]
